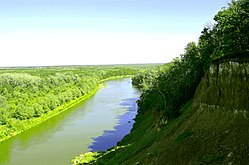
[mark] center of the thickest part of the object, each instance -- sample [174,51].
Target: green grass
[183,136]
[211,158]
[142,143]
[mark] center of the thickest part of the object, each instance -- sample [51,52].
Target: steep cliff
[219,118]
[226,85]
[212,129]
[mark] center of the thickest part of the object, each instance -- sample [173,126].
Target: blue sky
[63,32]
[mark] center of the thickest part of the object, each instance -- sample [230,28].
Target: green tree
[230,32]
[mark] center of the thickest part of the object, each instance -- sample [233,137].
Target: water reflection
[62,137]
[110,138]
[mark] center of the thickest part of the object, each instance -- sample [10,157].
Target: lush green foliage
[175,86]
[230,32]
[146,77]
[171,89]
[92,157]
[28,93]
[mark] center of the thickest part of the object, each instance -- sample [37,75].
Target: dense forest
[30,93]
[168,94]
[172,88]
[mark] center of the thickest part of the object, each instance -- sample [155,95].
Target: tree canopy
[172,88]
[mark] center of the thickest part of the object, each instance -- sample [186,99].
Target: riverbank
[16,126]
[212,127]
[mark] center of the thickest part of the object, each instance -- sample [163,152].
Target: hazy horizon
[44,66]
[80,32]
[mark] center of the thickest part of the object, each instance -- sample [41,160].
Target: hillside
[211,130]
[196,110]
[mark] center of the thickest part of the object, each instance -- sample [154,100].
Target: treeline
[171,89]
[145,78]
[27,93]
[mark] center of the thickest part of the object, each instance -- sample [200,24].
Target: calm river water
[96,124]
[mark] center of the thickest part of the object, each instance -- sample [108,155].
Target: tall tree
[230,33]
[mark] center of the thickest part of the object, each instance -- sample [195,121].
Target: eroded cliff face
[225,86]
[213,129]
[219,117]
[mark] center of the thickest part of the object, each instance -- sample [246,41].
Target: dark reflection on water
[110,138]
[61,138]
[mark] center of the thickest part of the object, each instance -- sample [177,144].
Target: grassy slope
[144,144]
[211,130]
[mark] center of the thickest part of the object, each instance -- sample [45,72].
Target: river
[95,124]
